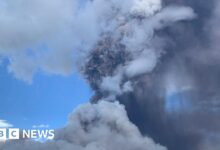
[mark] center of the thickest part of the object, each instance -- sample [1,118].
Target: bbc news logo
[15,134]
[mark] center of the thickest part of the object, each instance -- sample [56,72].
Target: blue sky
[48,100]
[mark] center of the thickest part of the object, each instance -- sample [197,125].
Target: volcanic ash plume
[158,58]
[164,68]
[102,126]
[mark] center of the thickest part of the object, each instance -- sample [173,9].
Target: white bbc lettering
[26,134]
[34,134]
[43,133]
[51,134]
[3,135]
[14,134]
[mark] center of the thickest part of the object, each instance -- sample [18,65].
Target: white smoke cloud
[112,84]
[144,64]
[102,126]
[138,39]
[51,35]
[145,7]
[26,25]
[170,15]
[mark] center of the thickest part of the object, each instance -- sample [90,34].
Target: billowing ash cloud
[49,36]
[102,126]
[176,103]
[169,84]
[158,58]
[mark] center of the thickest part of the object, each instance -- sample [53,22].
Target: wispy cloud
[41,126]
[5,124]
